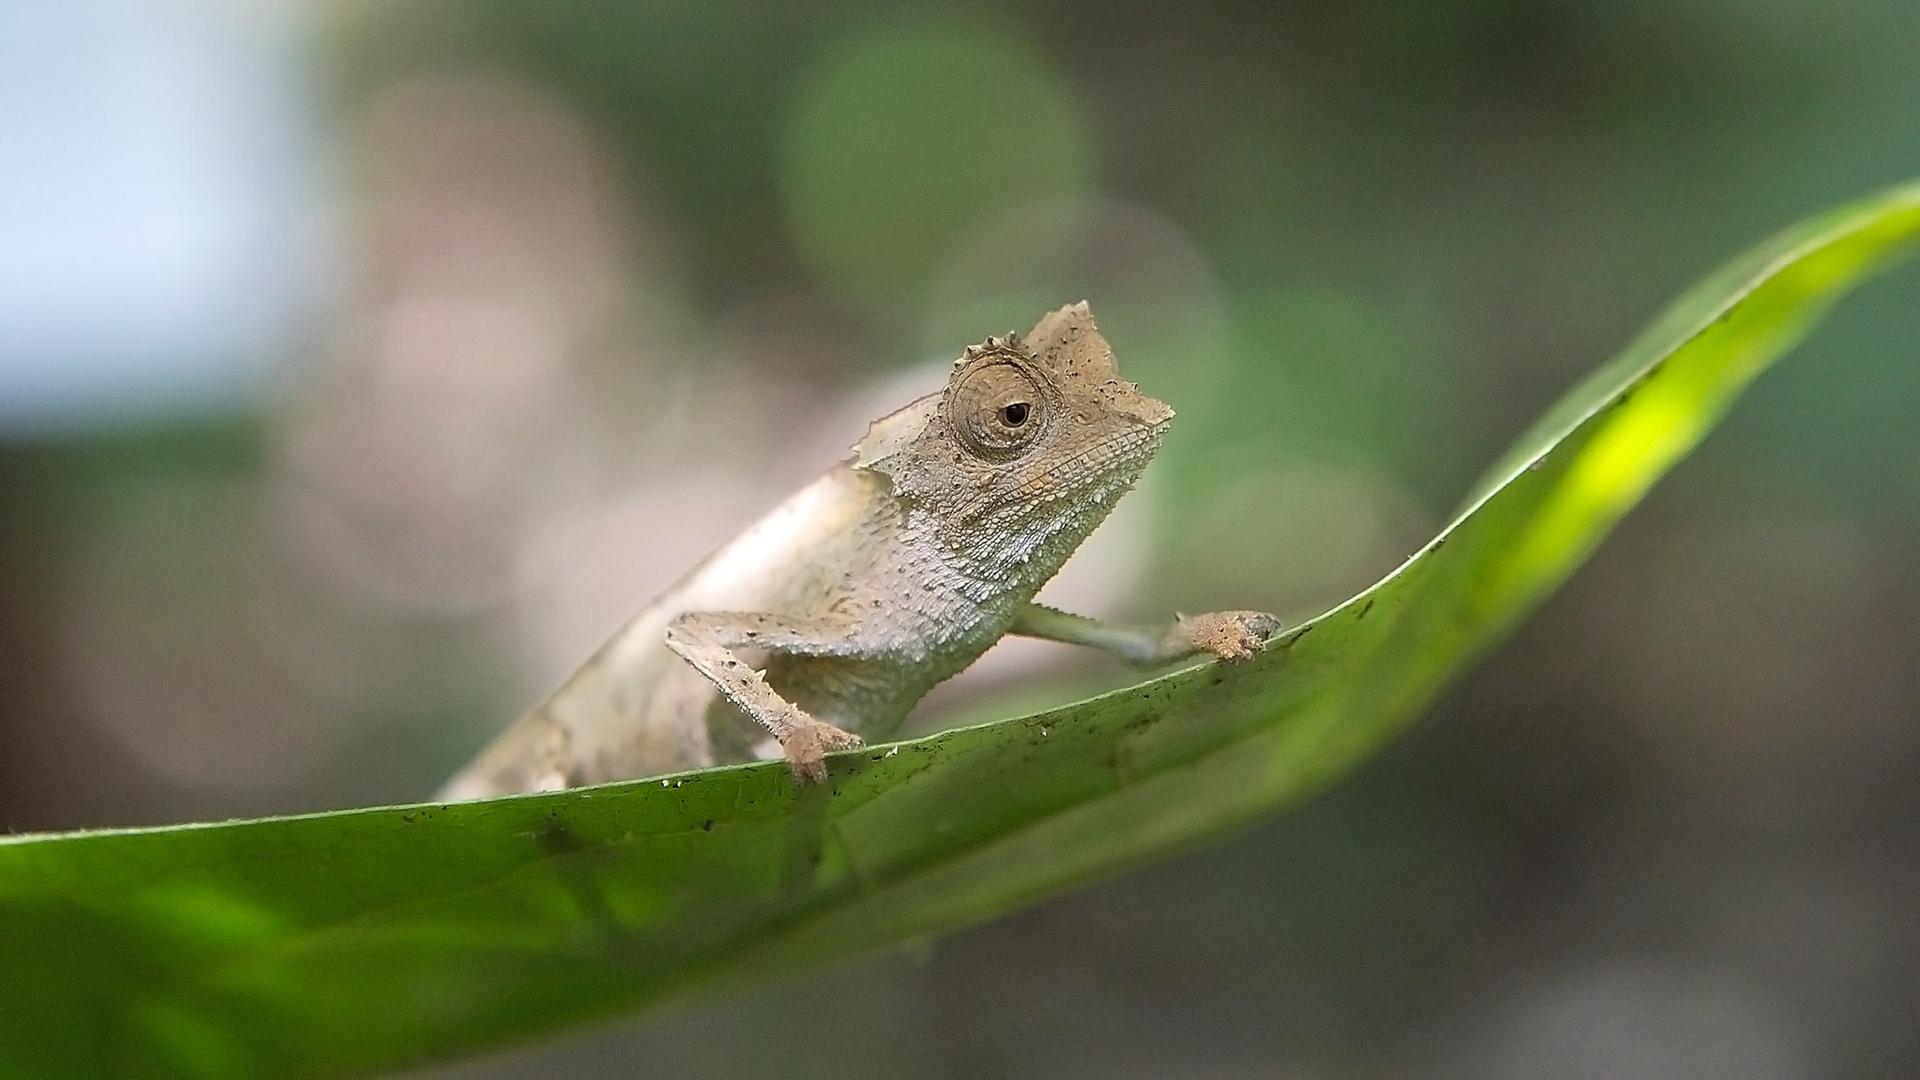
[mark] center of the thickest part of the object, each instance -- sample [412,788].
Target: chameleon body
[824,622]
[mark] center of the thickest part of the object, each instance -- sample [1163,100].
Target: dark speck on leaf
[1364,608]
[558,839]
[707,825]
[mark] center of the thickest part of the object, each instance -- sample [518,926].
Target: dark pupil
[1014,414]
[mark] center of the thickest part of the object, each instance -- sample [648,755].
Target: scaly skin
[827,620]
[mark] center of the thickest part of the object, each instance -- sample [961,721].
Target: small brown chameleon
[824,622]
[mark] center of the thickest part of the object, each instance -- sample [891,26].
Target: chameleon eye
[996,410]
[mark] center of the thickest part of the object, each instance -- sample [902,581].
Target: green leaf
[366,939]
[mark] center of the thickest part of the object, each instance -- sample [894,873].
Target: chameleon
[823,623]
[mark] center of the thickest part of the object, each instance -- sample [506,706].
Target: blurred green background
[362,364]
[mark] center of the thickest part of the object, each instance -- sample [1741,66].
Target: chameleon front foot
[1232,636]
[807,745]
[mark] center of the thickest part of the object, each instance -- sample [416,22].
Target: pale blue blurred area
[158,205]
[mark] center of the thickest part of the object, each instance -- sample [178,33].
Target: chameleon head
[1031,442]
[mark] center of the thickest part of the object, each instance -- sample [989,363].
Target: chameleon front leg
[708,640]
[1230,635]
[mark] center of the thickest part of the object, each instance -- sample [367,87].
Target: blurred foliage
[357,940]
